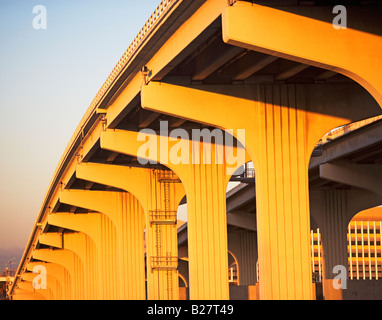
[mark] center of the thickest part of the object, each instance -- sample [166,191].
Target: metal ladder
[158,218]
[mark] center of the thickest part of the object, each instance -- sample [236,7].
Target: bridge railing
[162,8]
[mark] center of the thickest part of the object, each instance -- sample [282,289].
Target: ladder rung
[167,176]
[163,217]
[164,263]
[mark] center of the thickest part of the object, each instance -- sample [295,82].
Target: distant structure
[6,279]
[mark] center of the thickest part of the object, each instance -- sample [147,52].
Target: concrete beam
[303,37]
[241,198]
[286,74]
[52,239]
[257,66]
[356,141]
[364,176]
[242,220]
[217,63]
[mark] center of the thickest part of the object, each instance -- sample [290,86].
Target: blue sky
[48,79]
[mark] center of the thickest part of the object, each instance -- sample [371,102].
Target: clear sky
[48,78]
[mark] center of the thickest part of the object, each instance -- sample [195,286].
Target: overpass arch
[183,278]
[359,243]
[273,115]
[364,245]
[234,269]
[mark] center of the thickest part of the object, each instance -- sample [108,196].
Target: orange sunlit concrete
[299,102]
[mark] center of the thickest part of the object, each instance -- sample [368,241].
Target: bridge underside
[209,70]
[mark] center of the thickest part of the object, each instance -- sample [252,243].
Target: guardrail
[140,37]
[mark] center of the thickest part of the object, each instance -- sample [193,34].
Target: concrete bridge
[338,199]
[206,87]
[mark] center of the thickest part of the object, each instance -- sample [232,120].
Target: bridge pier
[299,42]
[66,259]
[159,200]
[206,215]
[330,210]
[99,229]
[26,290]
[283,115]
[244,246]
[117,207]
[205,186]
[57,277]
[54,289]
[50,293]
[283,124]
[83,247]
[333,209]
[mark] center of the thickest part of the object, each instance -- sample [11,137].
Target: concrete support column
[122,210]
[66,259]
[133,249]
[55,241]
[55,278]
[330,209]
[244,246]
[84,248]
[282,199]
[207,232]
[159,194]
[333,209]
[28,293]
[24,292]
[275,136]
[205,186]
[161,239]
[50,293]
[299,43]
[334,232]
[101,231]
[282,124]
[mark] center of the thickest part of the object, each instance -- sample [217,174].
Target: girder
[281,72]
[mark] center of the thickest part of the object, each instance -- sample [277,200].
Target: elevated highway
[276,77]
